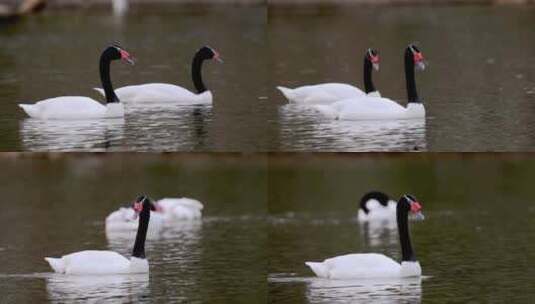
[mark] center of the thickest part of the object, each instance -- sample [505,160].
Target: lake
[56,54]
[478,88]
[56,204]
[475,244]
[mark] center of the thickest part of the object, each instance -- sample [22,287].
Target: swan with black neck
[98,262]
[380,108]
[327,93]
[373,265]
[376,206]
[78,107]
[170,93]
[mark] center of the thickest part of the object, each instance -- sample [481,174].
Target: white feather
[72,107]
[160,93]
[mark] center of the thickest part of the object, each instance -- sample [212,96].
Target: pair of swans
[343,101]
[373,265]
[77,107]
[98,262]
[94,262]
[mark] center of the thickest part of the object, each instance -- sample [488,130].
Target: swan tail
[29,109]
[319,269]
[287,92]
[327,111]
[204,98]
[57,264]
[101,91]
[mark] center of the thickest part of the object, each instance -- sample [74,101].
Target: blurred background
[475,245]
[56,204]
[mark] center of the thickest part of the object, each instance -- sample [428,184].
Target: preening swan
[373,265]
[376,206]
[327,93]
[179,209]
[124,221]
[110,262]
[77,107]
[169,93]
[376,108]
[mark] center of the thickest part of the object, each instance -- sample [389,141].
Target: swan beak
[218,58]
[375,66]
[420,66]
[419,216]
[126,57]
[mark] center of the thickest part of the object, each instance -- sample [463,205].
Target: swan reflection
[93,135]
[302,128]
[97,288]
[379,232]
[407,290]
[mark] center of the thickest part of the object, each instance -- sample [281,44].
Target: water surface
[56,54]
[58,205]
[478,88]
[475,245]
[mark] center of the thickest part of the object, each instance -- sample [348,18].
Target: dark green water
[56,204]
[478,87]
[56,54]
[475,245]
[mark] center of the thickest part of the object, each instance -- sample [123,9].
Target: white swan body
[72,107]
[363,266]
[378,212]
[160,93]
[97,262]
[180,209]
[371,108]
[373,265]
[322,94]
[125,220]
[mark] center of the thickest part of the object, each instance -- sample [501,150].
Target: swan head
[410,204]
[417,57]
[116,52]
[372,55]
[207,52]
[143,203]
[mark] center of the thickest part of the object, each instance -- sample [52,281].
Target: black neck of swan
[368,84]
[139,245]
[196,67]
[381,197]
[412,95]
[402,214]
[105,61]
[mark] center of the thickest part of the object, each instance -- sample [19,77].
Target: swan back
[324,93]
[90,262]
[180,208]
[356,266]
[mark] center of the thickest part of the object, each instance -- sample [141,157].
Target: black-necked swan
[327,93]
[164,212]
[170,93]
[77,107]
[380,108]
[124,221]
[373,265]
[110,262]
[376,206]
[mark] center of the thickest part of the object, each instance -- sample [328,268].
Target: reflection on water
[477,102]
[474,248]
[375,233]
[60,201]
[163,38]
[303,129]
[97,289]
[145,128]
[318,290]
[59,135]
